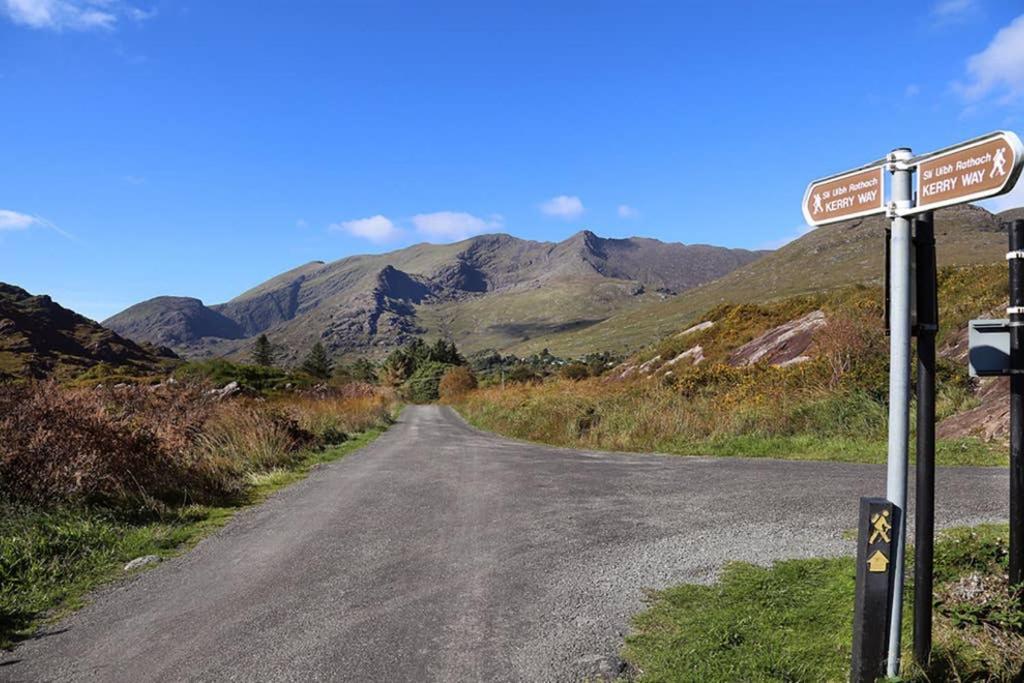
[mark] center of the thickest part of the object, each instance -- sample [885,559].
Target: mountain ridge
[365,303]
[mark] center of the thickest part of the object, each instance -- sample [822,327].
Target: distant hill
[40,338]
[828,257]
[490,291]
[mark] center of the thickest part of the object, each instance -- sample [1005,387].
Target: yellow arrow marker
[878,562]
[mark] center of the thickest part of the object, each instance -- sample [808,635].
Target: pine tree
[263,353]
[318,363]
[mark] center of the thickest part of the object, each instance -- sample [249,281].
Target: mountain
[40,338]
[828,257]
[490,291]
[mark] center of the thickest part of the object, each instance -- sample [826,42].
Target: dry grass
[162,445]
[333,415]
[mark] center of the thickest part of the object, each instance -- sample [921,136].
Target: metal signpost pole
[924,526]
[899,385]
[1016,315]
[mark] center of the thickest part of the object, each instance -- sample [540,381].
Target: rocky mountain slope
[828,257]
[487,291]
[40,338]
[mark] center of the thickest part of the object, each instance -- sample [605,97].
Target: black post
[876,540]
[1016,231]
[924,524]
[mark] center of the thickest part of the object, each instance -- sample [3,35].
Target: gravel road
[440,553]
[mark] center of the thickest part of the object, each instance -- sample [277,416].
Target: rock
[650,365]
[699,327]
[143,561]
[989,420]
[227,391]
[780,344]
[695,354]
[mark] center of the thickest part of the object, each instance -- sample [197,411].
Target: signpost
[969,171]
[875,542]
[845,196]
[975,169]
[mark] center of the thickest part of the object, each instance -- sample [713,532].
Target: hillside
[487,291]
[802,376]
[40,338]
[832,256]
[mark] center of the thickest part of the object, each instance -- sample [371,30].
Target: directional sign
[968,172]
[848,195]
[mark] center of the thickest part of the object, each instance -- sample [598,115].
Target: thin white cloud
[14,220]
[453,225]
[563,206]
[912,90]
[73,15]
[999,68]
[377,228]
[301,223]
[627,211]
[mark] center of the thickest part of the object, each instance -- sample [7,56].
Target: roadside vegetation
[93,475]
[830,405]
[793,621]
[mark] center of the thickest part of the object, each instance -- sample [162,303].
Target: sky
[154,147]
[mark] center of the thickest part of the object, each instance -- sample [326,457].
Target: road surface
[440,553]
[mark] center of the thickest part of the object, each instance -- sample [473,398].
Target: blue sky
[156,147]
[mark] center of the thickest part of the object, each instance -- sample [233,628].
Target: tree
[423,384]
[456,382]
[263,352]
[318,363]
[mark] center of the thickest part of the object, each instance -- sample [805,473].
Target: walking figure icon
[880,527]
[999,163]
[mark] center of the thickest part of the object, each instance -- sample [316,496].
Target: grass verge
[793,621]
[647,418]
[51,558]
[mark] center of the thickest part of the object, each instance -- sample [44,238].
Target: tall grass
[92,477]
[170,444]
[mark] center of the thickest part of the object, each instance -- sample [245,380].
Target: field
[93,477]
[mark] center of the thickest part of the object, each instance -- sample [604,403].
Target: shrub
[422,386]
[167,444]
[122,444]
[575,371]
[456,383]
[523,374]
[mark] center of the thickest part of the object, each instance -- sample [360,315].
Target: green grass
[793,621]
[948,452]
[51,559]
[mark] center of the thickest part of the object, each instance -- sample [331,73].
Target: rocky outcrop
[783,345]
[40,338]
[989,420]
